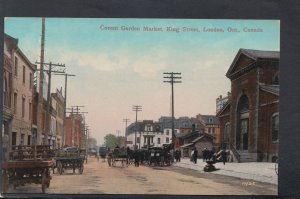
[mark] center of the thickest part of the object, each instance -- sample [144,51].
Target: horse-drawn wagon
[159,156]
[119,155]
[69,158]
[28,164]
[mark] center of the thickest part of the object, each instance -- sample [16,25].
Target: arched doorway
[242,127]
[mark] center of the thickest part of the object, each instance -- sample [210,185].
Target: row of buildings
[20,107]
[246,121]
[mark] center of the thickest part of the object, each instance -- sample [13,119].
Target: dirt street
[99,178]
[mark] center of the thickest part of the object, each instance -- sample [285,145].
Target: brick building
[249,121]
[58,106]
[211,126]
[74,130]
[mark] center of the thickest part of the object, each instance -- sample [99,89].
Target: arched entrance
[242,127]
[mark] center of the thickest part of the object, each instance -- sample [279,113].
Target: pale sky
[116,69]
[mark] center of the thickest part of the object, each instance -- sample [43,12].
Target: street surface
[99,178]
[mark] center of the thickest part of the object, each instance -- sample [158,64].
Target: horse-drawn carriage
[69,158]
[118,155]
[28,164]
[159,156]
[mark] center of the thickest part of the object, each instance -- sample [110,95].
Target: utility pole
[136,108]
[126,120]
[65,104]
[41,79]
[49,71]
[172,79]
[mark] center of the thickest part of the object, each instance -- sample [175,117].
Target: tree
[111,141]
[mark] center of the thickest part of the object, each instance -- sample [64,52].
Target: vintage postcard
[140,106]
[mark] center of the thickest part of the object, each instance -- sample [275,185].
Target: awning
[186,145]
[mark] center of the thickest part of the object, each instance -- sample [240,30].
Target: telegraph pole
[136,108]
[41,79]
[65,104]
[172,77]
[49,71]
[126,120]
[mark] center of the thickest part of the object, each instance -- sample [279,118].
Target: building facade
[9,45]
[21,93]
[58,106]
[74,130]
[147,134]
[250,120]
[211,125]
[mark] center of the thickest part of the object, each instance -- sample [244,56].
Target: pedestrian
[179,155]
[195,155]
[192,155]
[224,156]
[176,155]
[204,154]
[136,158]
[109,157]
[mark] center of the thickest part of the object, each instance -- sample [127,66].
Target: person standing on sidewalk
[192,155]
[195,155]
[224,156]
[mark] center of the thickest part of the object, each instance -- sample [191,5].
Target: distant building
[148,133]
[249,121]
[211,127]
[160,133]
[221,101]
[74,130]
[58,109]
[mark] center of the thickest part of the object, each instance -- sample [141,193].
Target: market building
[249,120]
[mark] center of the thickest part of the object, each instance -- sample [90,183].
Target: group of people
[139,156]
[209,155]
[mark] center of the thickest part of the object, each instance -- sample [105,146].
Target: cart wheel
[59,167]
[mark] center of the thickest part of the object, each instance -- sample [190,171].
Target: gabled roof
[253,54]
[209,119]
[274,89]
[203,135]
[262,54]
[186,135]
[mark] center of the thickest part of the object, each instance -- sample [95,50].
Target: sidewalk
[256,171]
